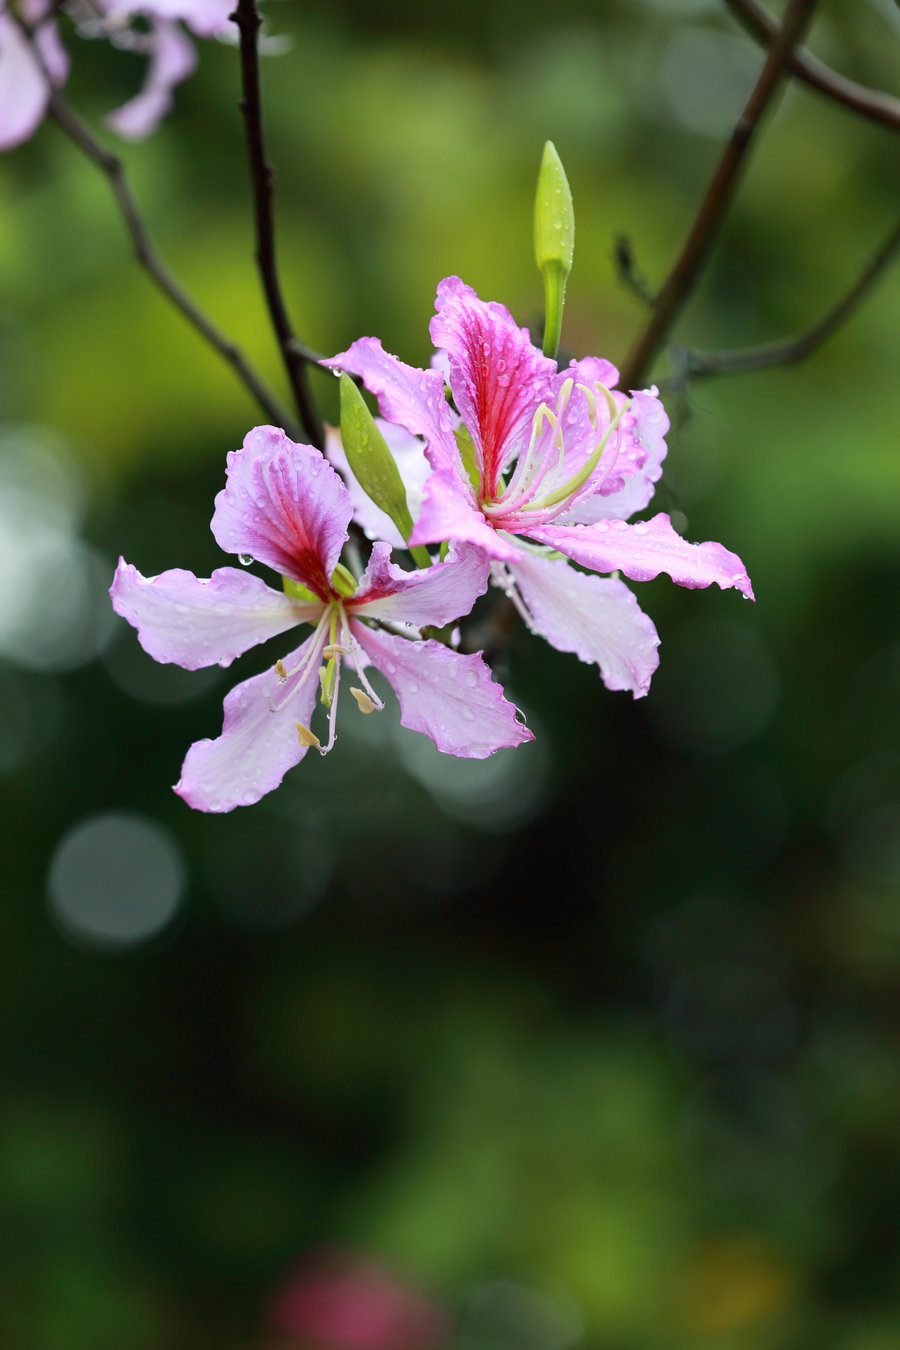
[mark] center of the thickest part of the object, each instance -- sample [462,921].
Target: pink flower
[28,70]
[285,506]
[542,462]
[344,1303]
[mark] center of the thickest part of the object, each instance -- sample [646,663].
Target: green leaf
[373,464]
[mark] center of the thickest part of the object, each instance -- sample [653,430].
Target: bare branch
[293,353]
[714,207]
[788,350]
[870,103]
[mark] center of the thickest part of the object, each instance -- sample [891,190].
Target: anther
[307,737]
[332,650]
[364,703]
[280,670]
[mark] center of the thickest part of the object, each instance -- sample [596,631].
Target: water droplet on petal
[245,559]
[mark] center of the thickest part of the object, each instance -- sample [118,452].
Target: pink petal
[23,83]
[284,505]
[257,745]
[412,398]
[195,623]
[598,618]
[497,375]
[409,456]
[446,591]
[206,17]
[449,512]
[644,550]
[445,695]
[637,469]
[172,59]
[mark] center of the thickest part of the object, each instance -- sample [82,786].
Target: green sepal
[373,464]
[554,241]
[299,592]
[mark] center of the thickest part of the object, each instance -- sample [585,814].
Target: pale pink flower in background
[541,462]
[285,506]
[26,71]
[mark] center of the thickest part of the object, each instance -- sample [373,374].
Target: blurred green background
[593,1043]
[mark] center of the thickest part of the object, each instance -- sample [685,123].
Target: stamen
[363,701]
[334,649]
[280,670]
[307,737]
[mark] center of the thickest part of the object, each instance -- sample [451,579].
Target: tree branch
[788,350]
[870,103]
[714,207]
[150,259]
[293,353]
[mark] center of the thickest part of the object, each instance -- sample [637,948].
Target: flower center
[542,479]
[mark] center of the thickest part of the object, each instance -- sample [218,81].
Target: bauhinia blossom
[31,68]
[538,463]
[286,507]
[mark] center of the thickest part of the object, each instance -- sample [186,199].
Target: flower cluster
[523,471]
[33,60]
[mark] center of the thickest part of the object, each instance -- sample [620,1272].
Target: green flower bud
[554,241]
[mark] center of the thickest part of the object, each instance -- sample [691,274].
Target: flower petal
[598,618]
[205,17]
[435,595]
[644,550]
[449,512]
[497,375]
[193,623]
[637,469]
[23,82]
[172,59]
[257,745]
[412,398]
[284,505]
[409,456]
[444,694]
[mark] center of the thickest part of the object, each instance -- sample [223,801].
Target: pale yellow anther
[364,703]
[332,650]
[307,737]
[280,670]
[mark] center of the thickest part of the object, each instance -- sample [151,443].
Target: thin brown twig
[714,207]
[870,103]
[786,351]
[293,353]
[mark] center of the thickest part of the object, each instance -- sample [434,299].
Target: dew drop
[412,687]
[471,679]
[245,559]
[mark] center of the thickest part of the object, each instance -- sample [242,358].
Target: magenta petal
[644,550]
[436,595]
[445,695]
[449,512]
[412,398]
[172,59]
[257,745]
[195,623]
[497,375]
[284,505]
[598,618]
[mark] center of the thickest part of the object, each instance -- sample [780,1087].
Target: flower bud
[554,241]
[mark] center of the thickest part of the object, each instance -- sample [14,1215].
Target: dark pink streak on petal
[284,505]
[497,375]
